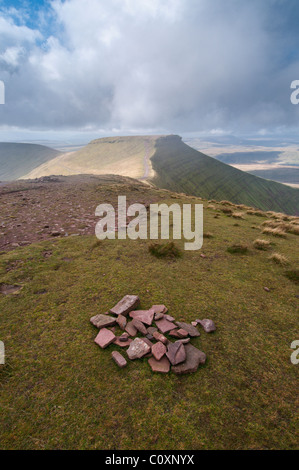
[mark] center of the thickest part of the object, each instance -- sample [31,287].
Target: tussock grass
[227,211]
[226,203]
[238,215]
[279,259]
[276,232]
[165,250]
[241,248]
[256,213]
[260,244]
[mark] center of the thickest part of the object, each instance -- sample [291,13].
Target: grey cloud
[159,64]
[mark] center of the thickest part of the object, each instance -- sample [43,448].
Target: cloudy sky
[101,67]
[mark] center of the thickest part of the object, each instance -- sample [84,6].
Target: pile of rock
[152,325]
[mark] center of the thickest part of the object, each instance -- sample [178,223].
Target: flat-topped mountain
[165,161]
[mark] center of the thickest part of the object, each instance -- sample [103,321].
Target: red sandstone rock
[102,321]
[194,357]
[159,337]
[119,359]
[104,338]
[139,326]
[145,316]
[130,328]
[121,321]
[162,366]
[158,350]
[191,330]
[176,353]
[125,305]
[138,348]
[121,343]
[208,325]
[165,325]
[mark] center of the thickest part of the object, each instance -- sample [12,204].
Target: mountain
[18,159]
[171,164]
[125,156]
[180,168]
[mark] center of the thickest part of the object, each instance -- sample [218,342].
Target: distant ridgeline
[181,168]
[164,160]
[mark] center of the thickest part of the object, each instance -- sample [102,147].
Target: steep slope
[180,168]
[126,156]
[18,159]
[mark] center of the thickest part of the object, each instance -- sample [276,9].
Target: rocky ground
[49,207]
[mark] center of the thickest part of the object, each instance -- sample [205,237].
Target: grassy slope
[18,159]
[114,155]
[59,390]
[180,168]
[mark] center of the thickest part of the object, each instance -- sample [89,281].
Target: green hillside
[59,390]
[180,168]
[18,159]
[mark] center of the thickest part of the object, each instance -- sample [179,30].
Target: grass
[260,244]
[60,391]
[18,159]
[279,259]
[276,232]
[293,275]
[165,250]
[180,168]
[241,248]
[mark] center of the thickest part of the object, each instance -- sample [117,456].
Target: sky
[78,69]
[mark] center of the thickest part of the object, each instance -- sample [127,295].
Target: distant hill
[180,168]
[125,156]
[18,159]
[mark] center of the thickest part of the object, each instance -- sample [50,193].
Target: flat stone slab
[176,353]
[159,337]
[121,343]
[182,333]
[159,316]
[102,321]
[130,328]
[138,348]
[139,326]
[145,316]
[158,350]
[159,308]
[151,330]
[165,325]
[191,330]
[174,333]
[162,366]
[125,305]
[169,318]
[208,325]
[121,321]
[119,359]
[183,340]
[194,357]
[104,338]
